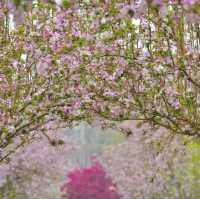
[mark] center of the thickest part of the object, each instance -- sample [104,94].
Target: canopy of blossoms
[98,60]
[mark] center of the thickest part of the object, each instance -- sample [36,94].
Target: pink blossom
[43,65]
[90,183]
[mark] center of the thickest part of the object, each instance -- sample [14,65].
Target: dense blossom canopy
[100,60]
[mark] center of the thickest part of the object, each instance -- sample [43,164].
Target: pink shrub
[90,183]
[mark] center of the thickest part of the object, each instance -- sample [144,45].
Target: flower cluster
[90,183]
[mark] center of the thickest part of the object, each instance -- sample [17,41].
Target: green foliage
[187,176]
[17,2]
[66,3]
[8,190]
[78,42]
[104,27]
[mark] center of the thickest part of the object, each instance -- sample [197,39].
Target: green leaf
[79,42]
[17,2]
[104,27]
[66,3]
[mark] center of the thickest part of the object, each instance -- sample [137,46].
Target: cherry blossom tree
[99,60]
